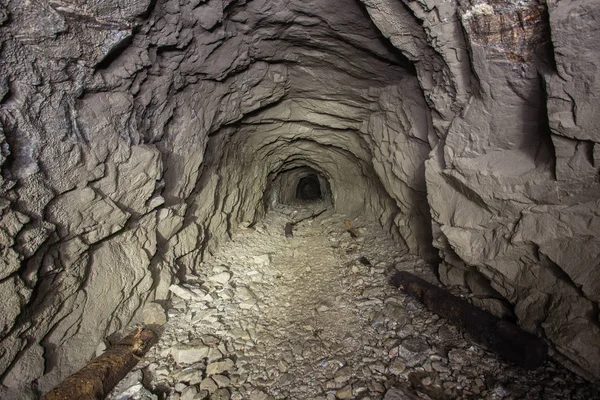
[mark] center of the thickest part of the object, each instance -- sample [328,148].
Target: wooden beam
[289,230]
[503,337]
[99,377]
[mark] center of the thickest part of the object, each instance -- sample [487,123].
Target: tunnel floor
[312,317]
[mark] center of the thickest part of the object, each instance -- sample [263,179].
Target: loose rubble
[313,317]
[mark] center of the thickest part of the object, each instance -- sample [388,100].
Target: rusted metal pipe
[99,377]
[503,337]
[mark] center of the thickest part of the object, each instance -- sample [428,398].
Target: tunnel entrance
[309,188]
[296,186]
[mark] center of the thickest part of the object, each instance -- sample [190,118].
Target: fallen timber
[503,337]
[96,379]
[289,230]
[289,227]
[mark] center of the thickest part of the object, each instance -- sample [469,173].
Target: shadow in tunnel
[309,188]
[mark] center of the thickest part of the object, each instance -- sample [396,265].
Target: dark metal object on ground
[350,230]
[96,380]
[289,227]
[503,337]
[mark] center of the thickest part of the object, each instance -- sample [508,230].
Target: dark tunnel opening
[298,186]
[309,188]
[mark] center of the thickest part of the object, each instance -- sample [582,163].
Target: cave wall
[513,184]
[128,133]
[138,135]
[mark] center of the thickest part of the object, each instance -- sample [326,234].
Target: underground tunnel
[298,185]
[228,192]
[308,188]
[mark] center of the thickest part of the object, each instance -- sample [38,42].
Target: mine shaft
[299,199]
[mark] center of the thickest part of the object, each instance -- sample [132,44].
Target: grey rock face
[136,136]
[507,147]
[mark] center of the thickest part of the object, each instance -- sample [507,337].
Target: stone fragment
[191,376]
[245,293]
[359,389]
[209,385]
[221,278]
[210,340]
[220,394]
[344,393]
[458,356]
[219,367]
[374,292]
[396,313]
[413,350]
[247,305]
[439,367]
[131,392]
[343,375]
[259,395]
[183,293]
[189,354]
[398,394]
[283,366]
[154,314]
[221,380]
[214,354]
[396,367]
[262,260]
[286,379]
[378,387]
[189,393]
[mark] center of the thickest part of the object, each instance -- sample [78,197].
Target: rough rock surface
[137,136]
[512,195]
[323,325]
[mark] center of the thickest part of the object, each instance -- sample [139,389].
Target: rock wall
[137,135]
[513,183]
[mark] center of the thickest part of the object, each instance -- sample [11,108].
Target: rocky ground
[312,317]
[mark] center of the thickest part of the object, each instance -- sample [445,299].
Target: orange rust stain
[509,34]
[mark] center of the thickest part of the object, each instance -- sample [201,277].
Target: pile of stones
[313,317]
